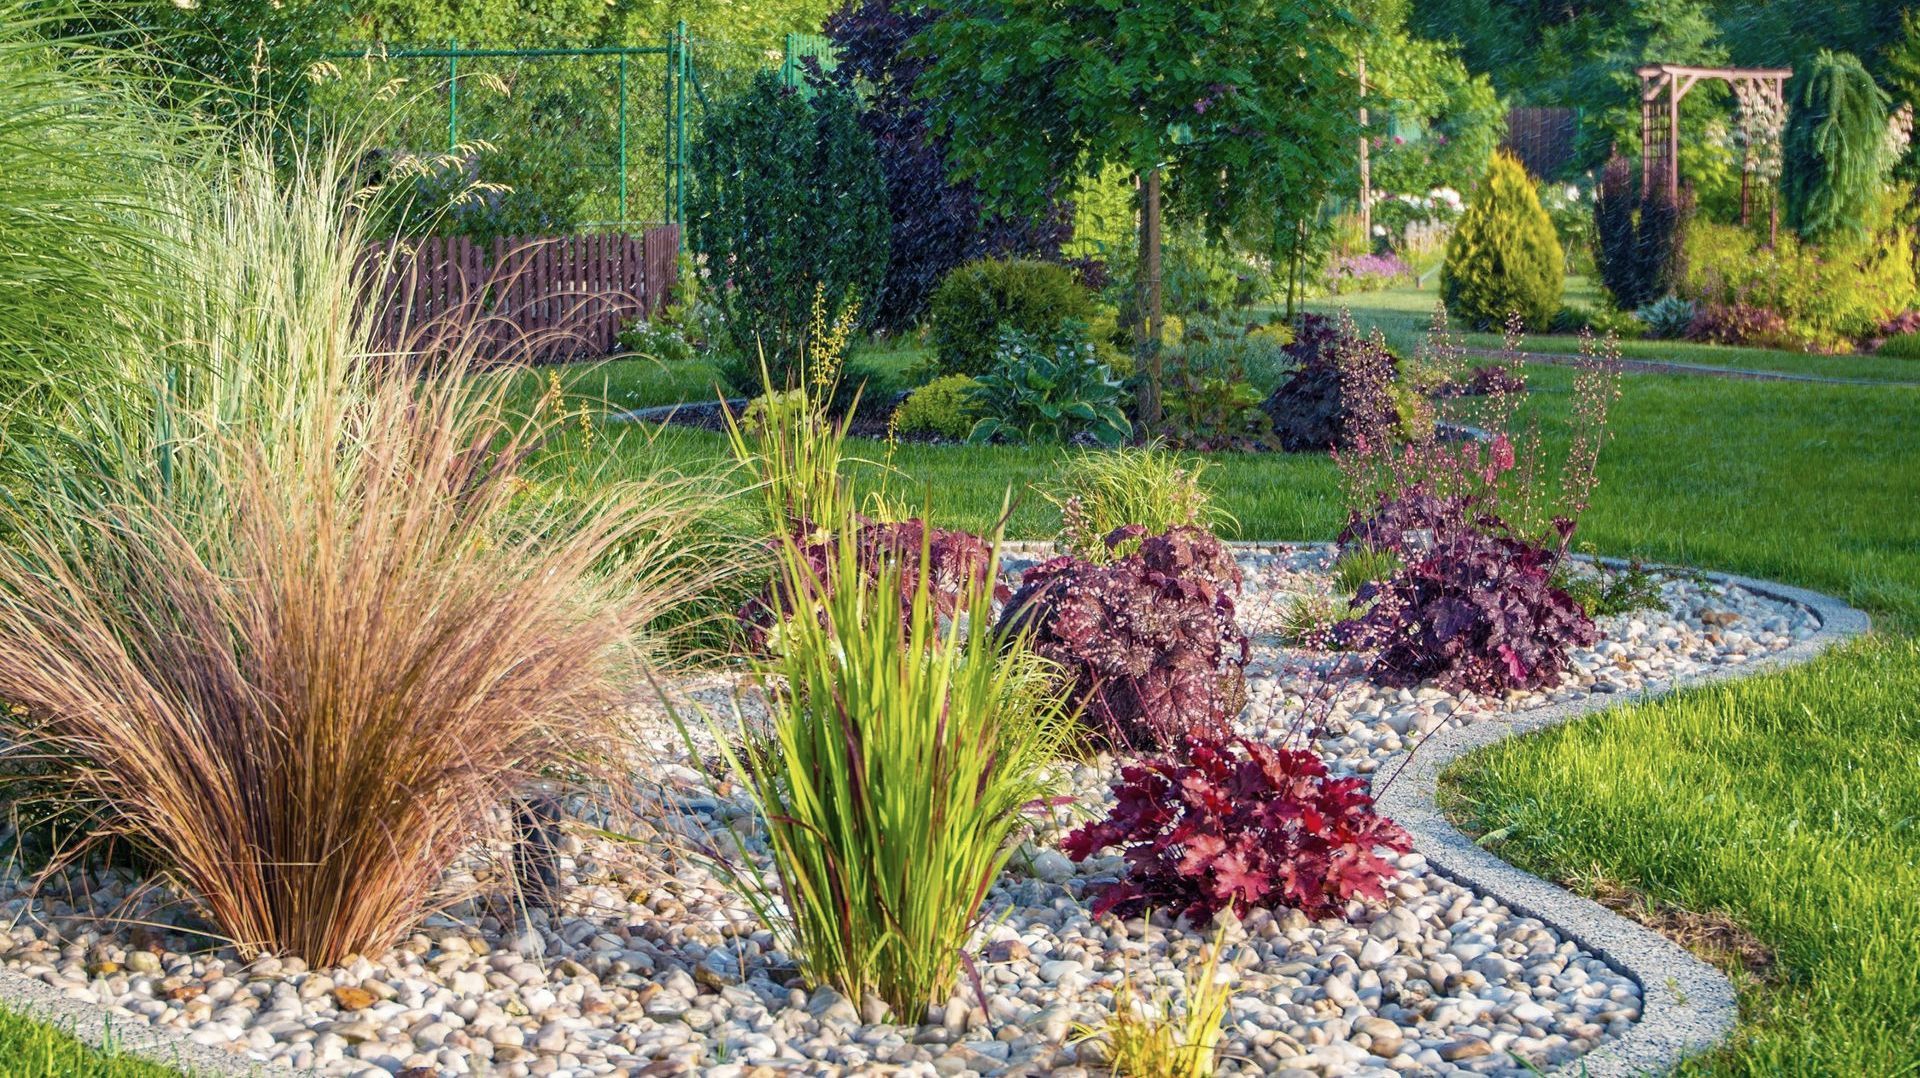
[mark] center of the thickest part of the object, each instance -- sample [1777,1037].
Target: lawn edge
[94,1026]
[1688,1006]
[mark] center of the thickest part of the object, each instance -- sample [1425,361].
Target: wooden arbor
[1662,86]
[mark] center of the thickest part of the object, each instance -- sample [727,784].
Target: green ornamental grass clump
[1100,490]
[1504,258]
[943,408]
[1902,346]
[976,300]
[894,774]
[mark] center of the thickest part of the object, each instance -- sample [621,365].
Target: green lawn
[1403,314]
[30,1048]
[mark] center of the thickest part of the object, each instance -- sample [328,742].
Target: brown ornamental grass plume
[299,635]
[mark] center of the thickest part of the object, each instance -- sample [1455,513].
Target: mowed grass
[1790,803]
[1402,315]
[33,1048]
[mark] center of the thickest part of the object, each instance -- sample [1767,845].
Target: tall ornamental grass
[1097,491]
[79,226]
[300,633]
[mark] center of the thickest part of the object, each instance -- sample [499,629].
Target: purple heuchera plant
[1262,827]
[956,561]
[1149,640]
[1478,612]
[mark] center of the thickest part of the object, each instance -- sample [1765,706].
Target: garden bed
[653,966]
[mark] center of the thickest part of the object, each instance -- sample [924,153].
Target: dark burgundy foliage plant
[1262,827]
[1311,410]
[1482,381]
[1407,522]
[1640,255]
[937,224]
[1477,612]
[1740,324]
[1901,324]
[956,562]
[1149,640]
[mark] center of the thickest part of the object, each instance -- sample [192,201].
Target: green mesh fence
[543,141]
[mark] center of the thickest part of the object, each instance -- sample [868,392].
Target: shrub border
[1687,1006]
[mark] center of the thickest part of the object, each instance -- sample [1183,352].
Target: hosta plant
[1148,641]
[1049,390]
[1666,318]
[1478,613]
[1235,823]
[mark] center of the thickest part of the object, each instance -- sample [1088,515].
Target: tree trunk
[1148,299]
[1366,167]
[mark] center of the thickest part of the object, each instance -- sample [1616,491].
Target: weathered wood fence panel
[537,299]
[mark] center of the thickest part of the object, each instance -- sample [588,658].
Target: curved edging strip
[1687,1006]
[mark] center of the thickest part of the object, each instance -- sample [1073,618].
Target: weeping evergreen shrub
[1504,257]
[1835,149]
[788,199]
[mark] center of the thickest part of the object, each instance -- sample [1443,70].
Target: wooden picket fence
[536,299]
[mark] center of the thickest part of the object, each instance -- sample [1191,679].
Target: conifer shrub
[789,205]
[1504,257]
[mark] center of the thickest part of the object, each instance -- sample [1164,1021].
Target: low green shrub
[1049,390]
[942,407]
[1504,258]
[1901,346]
[1098,491]
[655,340]
[976,300]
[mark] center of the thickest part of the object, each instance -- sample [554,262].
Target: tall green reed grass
[901,755]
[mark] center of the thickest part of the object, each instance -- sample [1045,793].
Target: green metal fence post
[623,139]
[453,95]
[683,69]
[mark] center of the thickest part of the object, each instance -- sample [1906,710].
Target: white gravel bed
[653,967]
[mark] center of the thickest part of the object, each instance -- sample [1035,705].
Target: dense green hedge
[977,299]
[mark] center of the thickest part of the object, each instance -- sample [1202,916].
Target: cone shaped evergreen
[1503,257]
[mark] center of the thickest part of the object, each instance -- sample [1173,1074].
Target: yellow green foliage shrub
[1504,257]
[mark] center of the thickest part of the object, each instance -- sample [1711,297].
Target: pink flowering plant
[1481,525]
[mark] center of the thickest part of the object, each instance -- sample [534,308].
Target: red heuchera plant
[1478,613]
[1261,827]
[956,560]
[1149,640]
